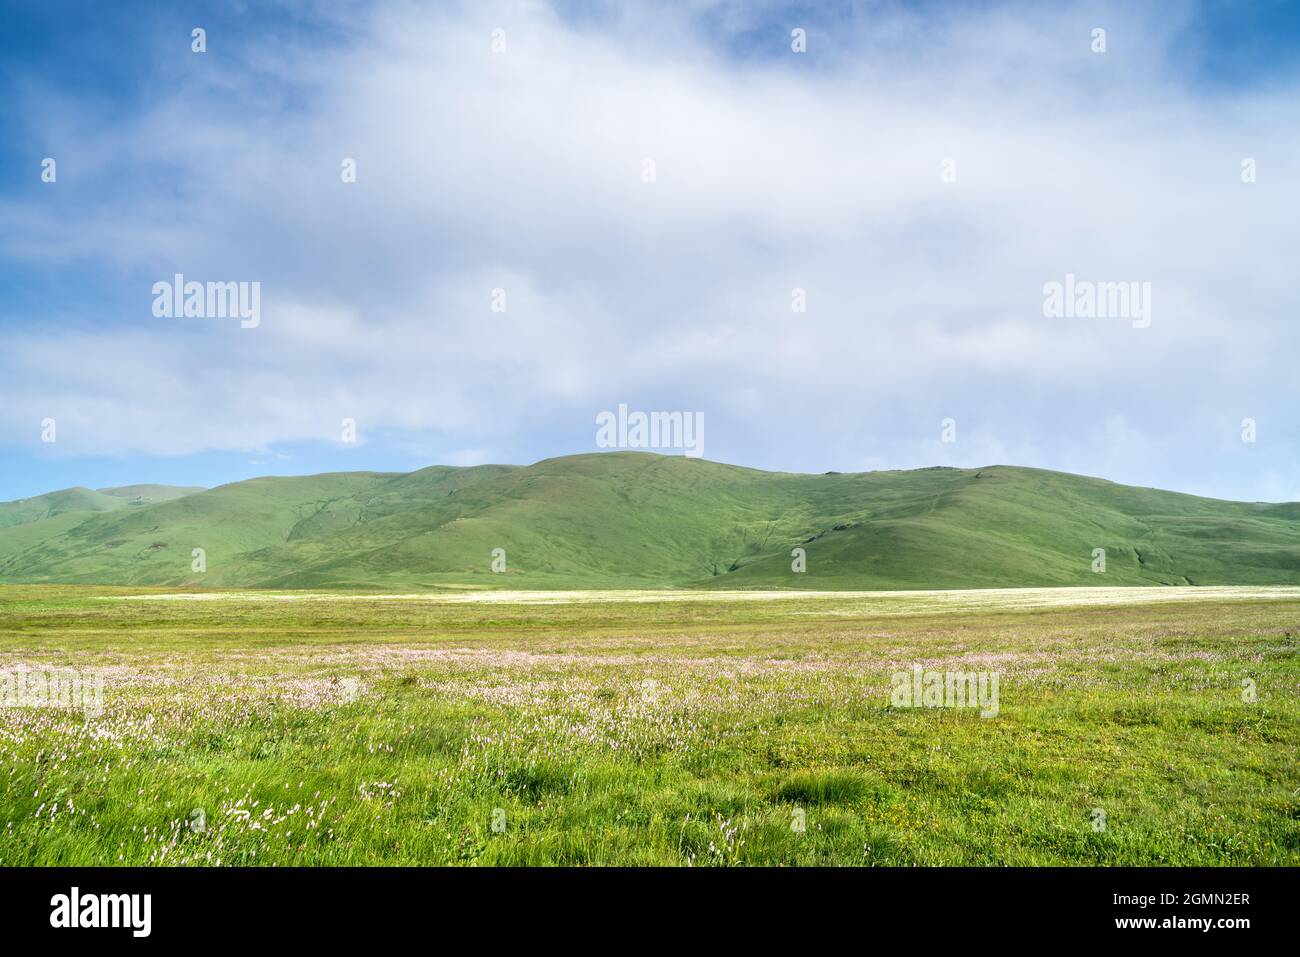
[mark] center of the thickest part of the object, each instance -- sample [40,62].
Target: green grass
[653,729]
[636,520]
[83,501]
[641,520]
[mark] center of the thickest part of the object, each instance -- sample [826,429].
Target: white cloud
[521,170]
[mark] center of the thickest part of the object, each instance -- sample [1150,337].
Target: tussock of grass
[822,787]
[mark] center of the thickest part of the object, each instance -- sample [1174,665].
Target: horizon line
[106,490]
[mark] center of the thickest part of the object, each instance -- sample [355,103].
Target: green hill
[148,494]
[52,504]
[628,519]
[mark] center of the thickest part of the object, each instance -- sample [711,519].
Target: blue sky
[522,170]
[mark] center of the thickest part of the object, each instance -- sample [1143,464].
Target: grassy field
[1154,726]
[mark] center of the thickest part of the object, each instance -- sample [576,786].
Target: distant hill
[147,494]
[631,519]
[51,504]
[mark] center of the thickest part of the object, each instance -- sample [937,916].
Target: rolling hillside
[27,510]
[628,519]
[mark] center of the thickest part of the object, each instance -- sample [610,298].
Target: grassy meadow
[660,728]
